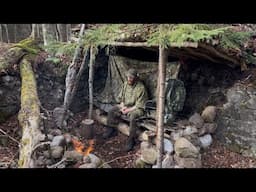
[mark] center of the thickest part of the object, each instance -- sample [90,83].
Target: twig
[249,76]
[40,144]
[44,109]
[57,164]
[116,159]
[2,131]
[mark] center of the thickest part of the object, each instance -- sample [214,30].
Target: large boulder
[236,121]
[184,148]
[209,114]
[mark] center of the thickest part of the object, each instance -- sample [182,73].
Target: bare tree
[72,78]
[62,32]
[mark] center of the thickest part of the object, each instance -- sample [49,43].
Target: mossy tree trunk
[29,115]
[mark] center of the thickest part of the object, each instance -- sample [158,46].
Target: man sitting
[131,100]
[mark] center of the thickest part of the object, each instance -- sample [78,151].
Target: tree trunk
[35,34]
[7,33]
[72,77]
[49,33]
[1,33]
[29,115]
[15,33]
[68,32]
[90,80]
[62,31]
[163,58]
[87,128]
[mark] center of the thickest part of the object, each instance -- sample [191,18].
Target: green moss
[25,142]
[21,162]
[29,45]
[29,97]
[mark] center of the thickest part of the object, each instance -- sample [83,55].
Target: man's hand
[126,110]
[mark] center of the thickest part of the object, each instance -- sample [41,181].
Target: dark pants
[113,118]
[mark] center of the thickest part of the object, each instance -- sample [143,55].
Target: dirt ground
[111,150]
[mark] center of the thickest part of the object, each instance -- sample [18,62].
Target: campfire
[80,147]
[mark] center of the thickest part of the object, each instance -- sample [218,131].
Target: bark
[15,33]
[90,80]
[68,32]
[87,128]
[35,34]
[145,44]
[1,33]
[163,58]
[29,115]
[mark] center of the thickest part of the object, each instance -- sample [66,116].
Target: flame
[79,147]
[90,148]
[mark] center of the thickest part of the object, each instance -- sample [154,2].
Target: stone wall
[236,120]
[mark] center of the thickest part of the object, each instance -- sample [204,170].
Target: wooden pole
[90,80]
[163,58]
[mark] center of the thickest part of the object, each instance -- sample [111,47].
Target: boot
[110,132]
[130,144]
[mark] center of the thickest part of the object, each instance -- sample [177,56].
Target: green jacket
[133,95]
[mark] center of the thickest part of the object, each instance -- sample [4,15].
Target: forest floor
[111,150]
